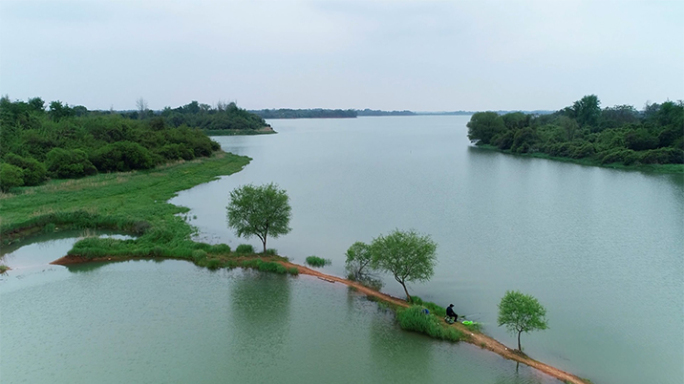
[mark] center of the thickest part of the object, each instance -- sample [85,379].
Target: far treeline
[70,142]
[319,113]
[586,133]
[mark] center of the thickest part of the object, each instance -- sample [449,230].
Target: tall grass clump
[434,308]
[316,261]
[272,252]
[414,319]
[244,249]
[214,264]
[220,249]
[3,268]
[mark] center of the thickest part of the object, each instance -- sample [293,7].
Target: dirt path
[477,339]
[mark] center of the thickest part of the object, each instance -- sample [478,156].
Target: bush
[244,249]
[414,319]
[122,156]
[272,252]
[316,261]
[220,249]
[66,164]
[33,170]
[214,264]
[10,176]
[198,255]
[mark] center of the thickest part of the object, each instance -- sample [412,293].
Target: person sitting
[451,316]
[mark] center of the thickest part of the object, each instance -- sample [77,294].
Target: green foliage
[414,319]
[244,249]
[122,156]
[214,264]
[316,261]
[618,136]
[437,310]
[271,252]
[259,211]
[10,176]
[3,268]
[407,255]
[220,249]
[34,172]
[358,258]
[483,126]
[521,313]
[69,164]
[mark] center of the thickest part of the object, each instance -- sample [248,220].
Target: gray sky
[417,55]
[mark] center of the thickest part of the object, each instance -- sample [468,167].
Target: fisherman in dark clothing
[451,316]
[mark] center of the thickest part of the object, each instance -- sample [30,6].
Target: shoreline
[659,169]
[477,339]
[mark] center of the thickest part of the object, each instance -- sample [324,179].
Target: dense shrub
[244,249]
[34,172]
[67,164]
[10,176]
[122,156]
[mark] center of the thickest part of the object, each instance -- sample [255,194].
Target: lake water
[172,322]
[601,249]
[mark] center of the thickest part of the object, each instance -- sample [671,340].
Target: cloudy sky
[392,55]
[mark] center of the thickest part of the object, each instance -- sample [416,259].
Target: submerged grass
[316,261]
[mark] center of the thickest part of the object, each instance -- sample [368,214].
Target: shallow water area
[169,321]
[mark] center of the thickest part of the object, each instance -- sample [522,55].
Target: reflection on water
[170,321]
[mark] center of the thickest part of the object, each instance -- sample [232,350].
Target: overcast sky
[391,55]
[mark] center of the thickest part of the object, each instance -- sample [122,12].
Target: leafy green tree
[521,313]
[587,110]
[10,176]
[407,255]
[483,126]
[259,211]
[358,258]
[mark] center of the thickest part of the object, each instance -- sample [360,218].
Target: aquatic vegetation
[316,261]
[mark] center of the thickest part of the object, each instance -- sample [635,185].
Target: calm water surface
[171,322]
[602,249]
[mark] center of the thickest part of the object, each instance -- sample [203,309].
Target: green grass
[3,268]
[437,310]
[131,202]
[413,319]
[316,261]
[244,249]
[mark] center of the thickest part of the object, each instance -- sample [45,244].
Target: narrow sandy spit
[477,339]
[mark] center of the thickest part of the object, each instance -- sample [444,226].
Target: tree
[521,313]
[408,256]
[358,258]
[587,110]
[141,104]
[483,126]
[259,211]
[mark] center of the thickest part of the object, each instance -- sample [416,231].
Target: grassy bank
[650,168]
[131,202]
